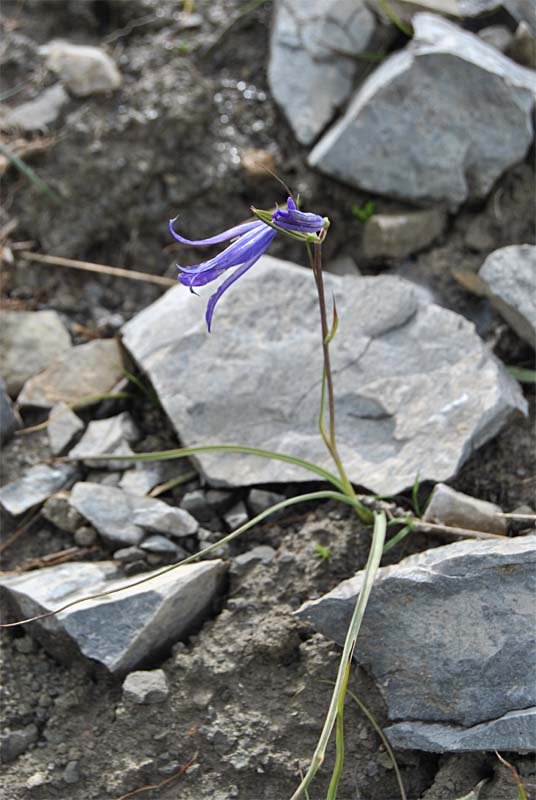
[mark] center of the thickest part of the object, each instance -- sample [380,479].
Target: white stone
[82,69]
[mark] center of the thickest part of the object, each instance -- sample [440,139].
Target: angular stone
[307,77]
[498,36]
[36,485]
[236,516]
[40,112]
[9,419]
[401,235]
[260,500]
[110,436]
[82,69]
[122,518]
[510,276]
[144,476]
[15,743]
[513,731]
[409,375]
[63,426]
[522,11]
[522,47]
[460,510]
[59,511]
[262,554]
[29,342]
[81,372]
[160,545]
[146,686]
[437,122]
[121,631]
[448,635]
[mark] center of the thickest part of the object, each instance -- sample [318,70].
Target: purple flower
[250,241]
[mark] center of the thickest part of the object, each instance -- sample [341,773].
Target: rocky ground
[226,688]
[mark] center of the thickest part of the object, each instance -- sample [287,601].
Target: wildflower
[249,241]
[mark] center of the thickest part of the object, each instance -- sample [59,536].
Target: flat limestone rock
[438,121]
[307,77]
[123,519]
[110,436]
[35,486]
[449,636]
[81,372]
[120,632]
[514,731]
[510,276]
[29,342]
[63,426]
[417,390]
[40,112]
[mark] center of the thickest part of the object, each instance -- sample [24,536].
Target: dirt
[247,694]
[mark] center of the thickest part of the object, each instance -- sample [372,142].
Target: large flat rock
[438,121]
[121,631]
[449,636]
[417,390]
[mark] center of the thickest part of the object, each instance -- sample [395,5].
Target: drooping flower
[249,241]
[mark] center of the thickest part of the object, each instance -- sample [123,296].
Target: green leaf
[415,496]
[523,375]
[365,211]
[474,794]
[322,552]
[397,538]
[19,164]
[185,452]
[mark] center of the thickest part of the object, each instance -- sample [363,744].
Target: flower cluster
[248,242]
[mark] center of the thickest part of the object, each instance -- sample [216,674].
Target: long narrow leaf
[304,498]
[185,452]
[370,571]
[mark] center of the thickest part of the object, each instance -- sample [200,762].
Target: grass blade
[185,452]
[375,554]
[28,172]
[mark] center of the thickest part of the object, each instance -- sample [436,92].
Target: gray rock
[343,265]
[15,743]
[498,36]
[510,276]
[122,518]
[401,235]
[128,554]
[29,342]
[82,69]
[449,636]
[86,536]
[260,500]
[196,504]
[40,112]
[220,500]
[71,773]
[522,11]
[522,47]
[35,486]
[123,631]
[145,476]
[111,436]
[98,369]
[262,554]
[307,77]
[437,122]
[59,511]
[63,426]
[236,516]
[10,421]
[417,390]
[146,686]
[454,508]
[513,731]
[159,545]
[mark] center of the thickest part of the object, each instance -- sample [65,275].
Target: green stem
[371,568]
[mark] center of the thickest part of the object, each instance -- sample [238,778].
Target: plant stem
[327,383]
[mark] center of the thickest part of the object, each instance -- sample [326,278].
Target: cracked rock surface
[408,373]
[438,121]
[449,637]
